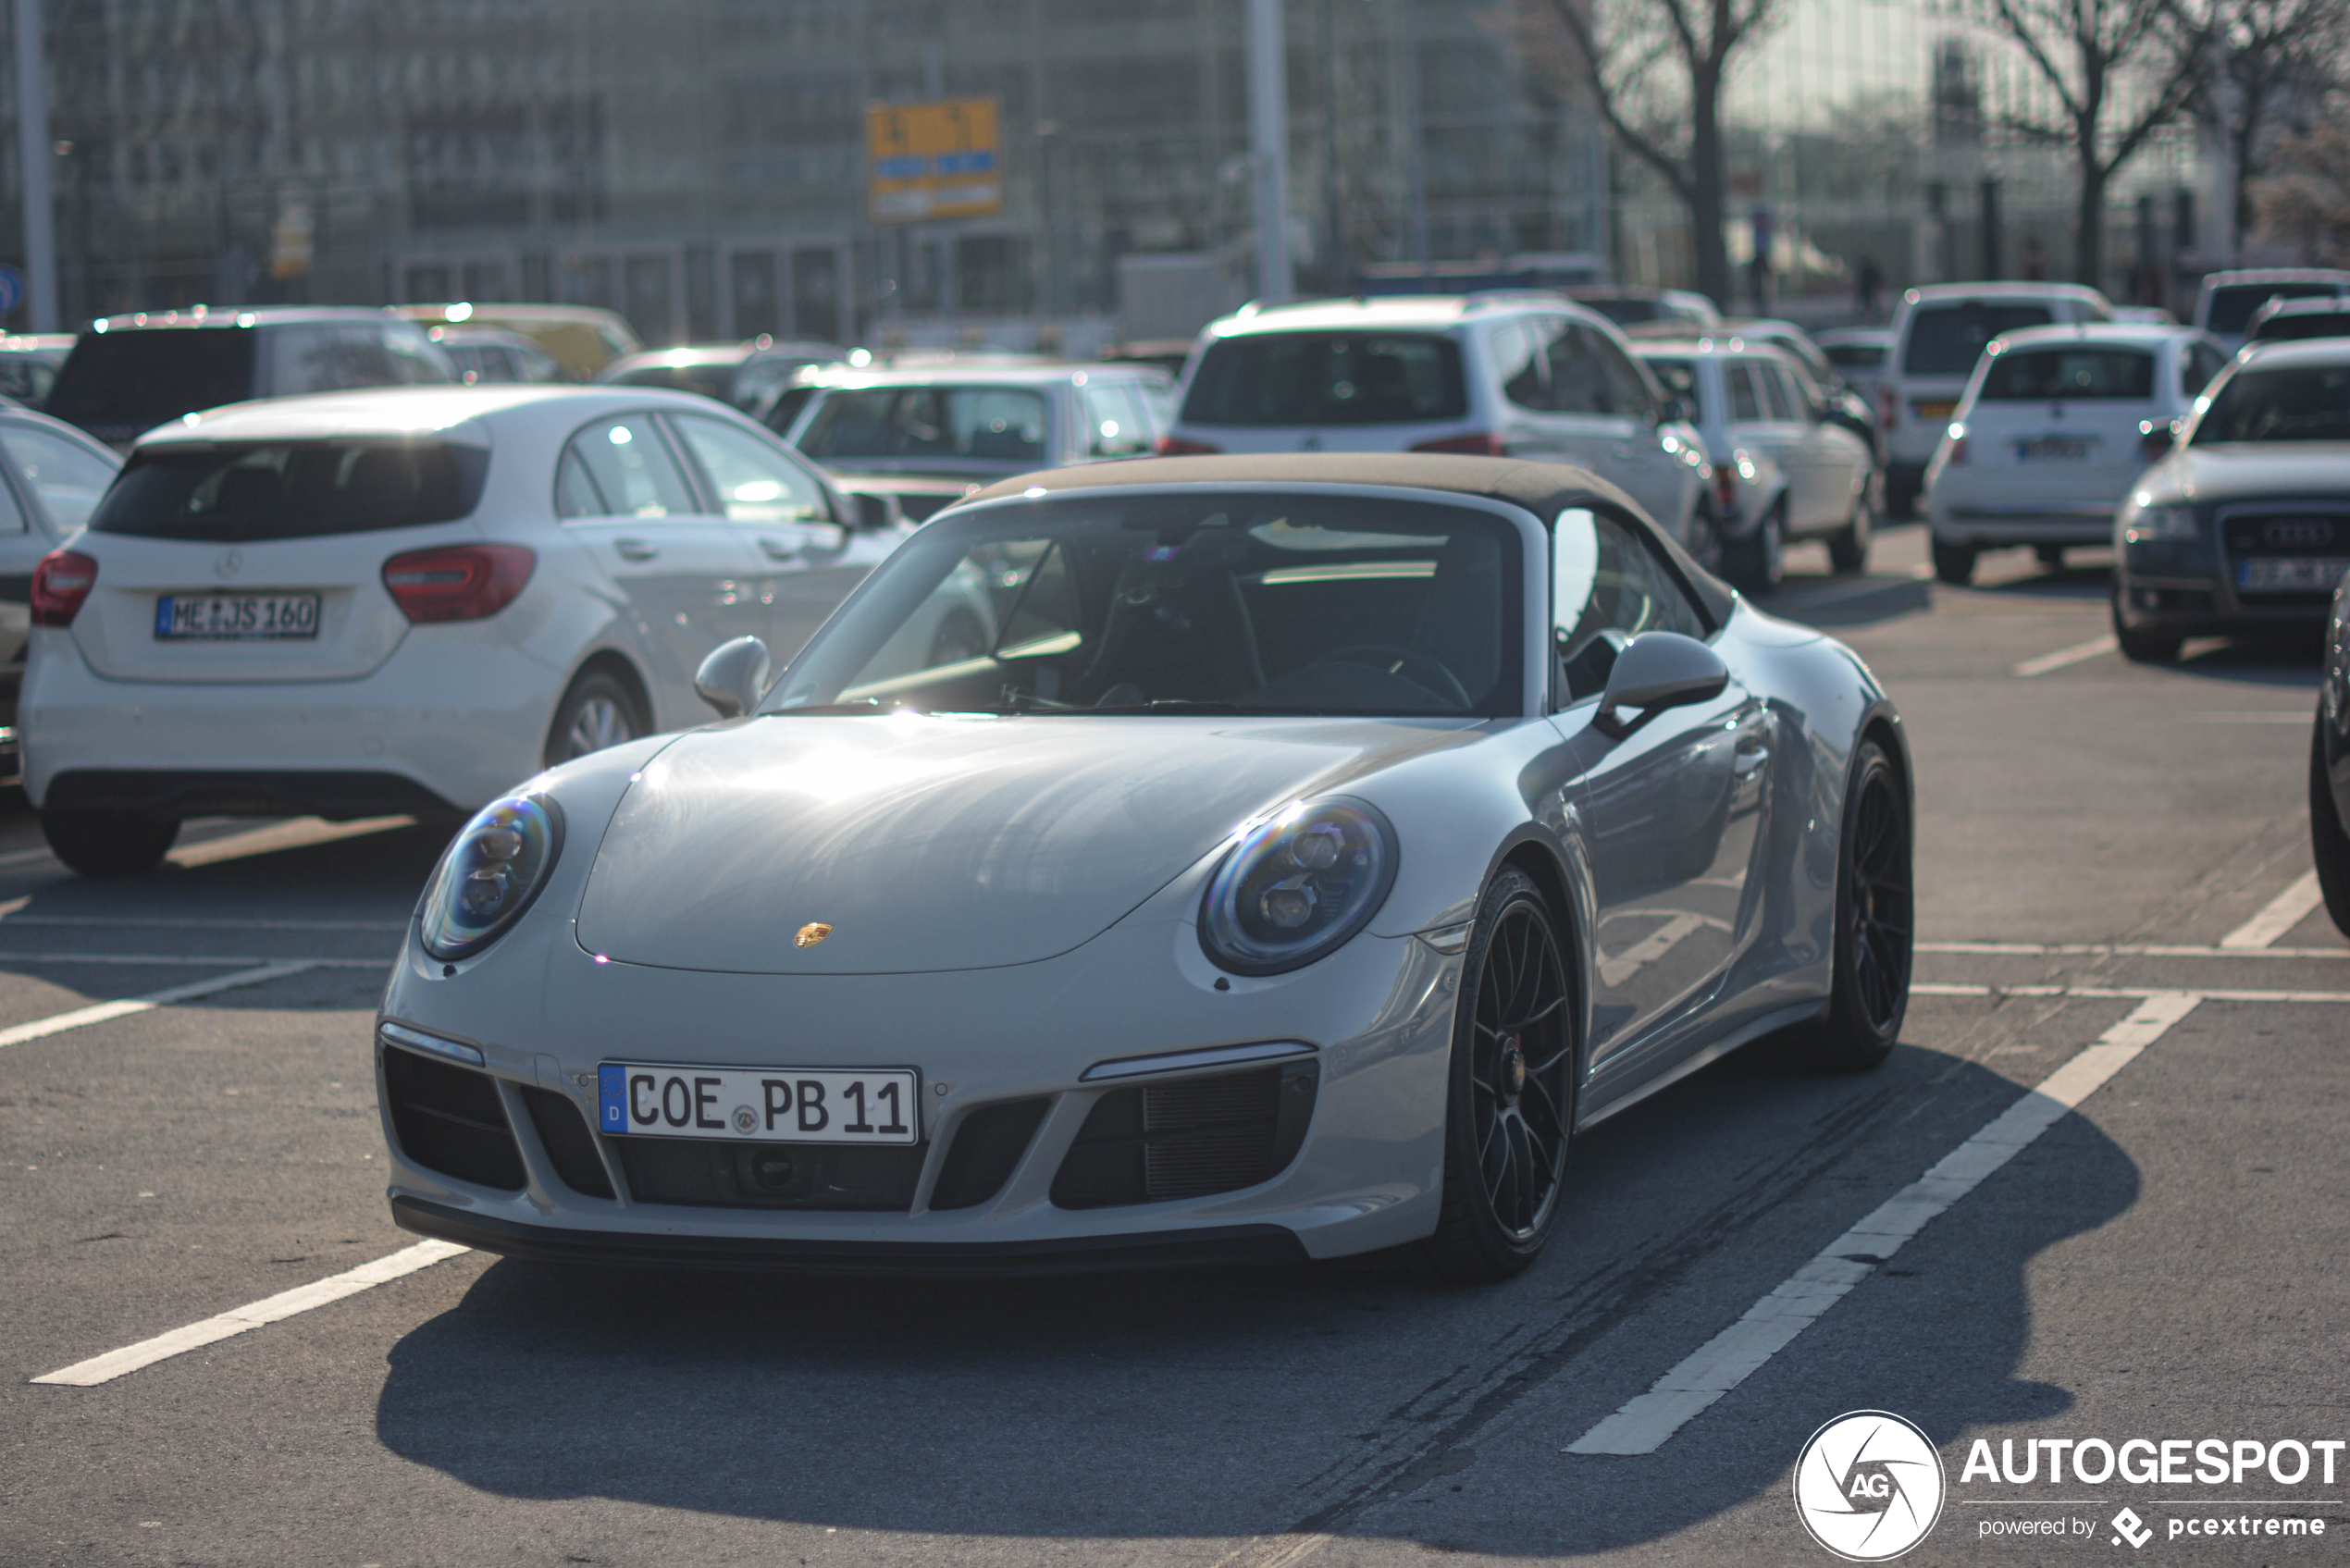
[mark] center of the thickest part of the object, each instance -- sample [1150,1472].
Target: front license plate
[2055,449]
[236,617]
[2293,574]
[765,1105]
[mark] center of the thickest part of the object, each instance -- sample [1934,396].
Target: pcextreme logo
[1868,1485]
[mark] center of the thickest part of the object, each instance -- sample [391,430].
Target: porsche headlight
[490,874]
[1296,886]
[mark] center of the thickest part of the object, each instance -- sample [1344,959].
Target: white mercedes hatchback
[407,600]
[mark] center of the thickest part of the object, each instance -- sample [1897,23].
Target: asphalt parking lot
[2114,907]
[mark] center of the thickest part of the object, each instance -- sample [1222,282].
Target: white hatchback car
[408,600]
[1500,374]
[2052,432]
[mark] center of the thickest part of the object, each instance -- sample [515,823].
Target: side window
[1606,588]
[2200,364]
[67,478]
[1627,394]
[1117,425]
[1517,364]
[754,481]
[628,469]
[1746,400]
[1802,393]
[1579,381]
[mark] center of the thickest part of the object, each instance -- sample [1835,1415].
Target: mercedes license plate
[2291,573]
[769,1104]
[236,617]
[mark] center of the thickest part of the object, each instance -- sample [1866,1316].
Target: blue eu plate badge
[611,1091]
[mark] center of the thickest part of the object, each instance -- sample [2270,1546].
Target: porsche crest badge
[811,933]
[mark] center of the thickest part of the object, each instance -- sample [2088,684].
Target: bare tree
[1656,69]
[2269,67]
[2087,50]
[2305,200]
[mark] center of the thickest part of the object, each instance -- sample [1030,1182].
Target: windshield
[2234,305]
[1206,600]
[116,384]
[2304,403]
[712,380]
[2299,326]
[2067,375]
[946,424]
[1948,340]
[1328,378]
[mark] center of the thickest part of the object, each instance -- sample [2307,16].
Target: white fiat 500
[406,600]
[2054,428]
[1320,844]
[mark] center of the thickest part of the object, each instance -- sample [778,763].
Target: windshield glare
[984,425]
[2306,403]
[1226,602]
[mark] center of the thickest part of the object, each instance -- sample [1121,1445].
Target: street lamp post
[1268,141]
[33,154]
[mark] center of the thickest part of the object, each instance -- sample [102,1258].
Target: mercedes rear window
[1948,340]
[2233,305]
[1329,378]
[2303,404]
[291,490]
[2066,374]
[132,381]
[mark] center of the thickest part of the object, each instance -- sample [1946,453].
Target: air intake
[1188,1139]
[449,1119]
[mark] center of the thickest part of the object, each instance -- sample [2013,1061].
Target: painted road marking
[1645,1424]
[269,1309]
[2284,911]
[2076,654]
[82,1017]
[2125,993]
[2125,950]
[189,960]
[299,833]
[10,916]
[2239,717]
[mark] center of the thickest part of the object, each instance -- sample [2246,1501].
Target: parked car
[405,600]
[495,356]
[1858,353]
[1839,403]
[582,339]
[1939,332]
[2330,766]
[2246,526]
[1624,305]
[2229,300]
[2052,433]
[931,436]
[2284,321]
[746,374]
[51,475]
[1521,374]
[29,365]
[1783,469]
[128,374]
[1223,909]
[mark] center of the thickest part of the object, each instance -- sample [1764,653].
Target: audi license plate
[2055,449]
[2291,573]
[765,1105]
[236,617]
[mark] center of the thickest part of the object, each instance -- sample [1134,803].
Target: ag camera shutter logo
[1869,1485]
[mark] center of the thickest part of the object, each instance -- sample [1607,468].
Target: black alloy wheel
[1511,1107]
[2328,845]
[1869,991]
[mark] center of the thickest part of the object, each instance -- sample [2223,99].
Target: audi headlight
[2160,523]
[490,874]
[1295,887]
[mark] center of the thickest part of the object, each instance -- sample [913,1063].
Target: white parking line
[1645,1424]
[186,960]
[82,1017]
[269,1309]
[8,916]
[2125,950]
[2125,993]
[2077,653]
[2284,911]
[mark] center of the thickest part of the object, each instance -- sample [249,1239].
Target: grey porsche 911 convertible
[1166,862]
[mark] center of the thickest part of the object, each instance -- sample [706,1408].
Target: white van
[2225,305]
[1938,333]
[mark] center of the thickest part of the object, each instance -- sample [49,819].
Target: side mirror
[1675,409]
[735,676]
[872,512]
[1658,670]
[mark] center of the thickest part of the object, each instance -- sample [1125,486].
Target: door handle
[634,549]
[776,549]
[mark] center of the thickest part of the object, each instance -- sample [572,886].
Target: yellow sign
[929,161]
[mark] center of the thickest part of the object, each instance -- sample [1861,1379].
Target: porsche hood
[928,843]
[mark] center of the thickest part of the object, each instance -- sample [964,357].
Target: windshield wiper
[854,705]
[1189,705]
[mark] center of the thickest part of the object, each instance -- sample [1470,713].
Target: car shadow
[1215,1404]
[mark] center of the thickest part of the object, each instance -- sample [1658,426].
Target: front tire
[598,711]
[1510,1100]
[2142,645]
[1954,564]
[1848,548]
[108,844]
[2328,846]
[1758,563]
[1869,988]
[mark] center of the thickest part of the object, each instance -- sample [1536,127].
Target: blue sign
[11,289]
